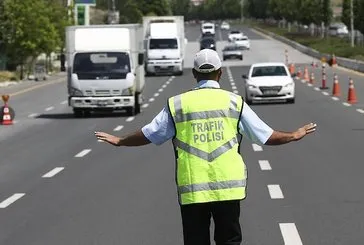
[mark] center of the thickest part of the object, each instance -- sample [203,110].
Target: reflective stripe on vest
[212,186]
[209,167]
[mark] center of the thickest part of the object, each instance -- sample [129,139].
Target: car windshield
[232,48]
[207,27]
[163,44]
[269,71]
[207,41]
[235,32]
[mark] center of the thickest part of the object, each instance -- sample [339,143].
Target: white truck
[105,68]
[164,42]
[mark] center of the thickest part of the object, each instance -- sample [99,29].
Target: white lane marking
[64,102]
[156,94]
[11,200]
[334,98]
[83,153]
[164,86]
[145,105]
[257,147]
[360,111]
[129,119]
[303,81]
[264,165]
[33,115]
[53,172]
[275,192]
[151,99]
[346,104]
[236,91]
[325,93]
[232,83]
[173,77]
[290,234]
[160,90]
[100,140]
[49,108]
[234,87]
[309,84]
[317,89]
[118,128]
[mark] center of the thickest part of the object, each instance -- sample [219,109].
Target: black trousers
[196,223]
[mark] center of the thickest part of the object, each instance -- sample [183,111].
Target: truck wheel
[77,113]
[86,113]
[137,104]
[131,111]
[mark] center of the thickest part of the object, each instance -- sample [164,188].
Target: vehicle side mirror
[244,76]
[141,59]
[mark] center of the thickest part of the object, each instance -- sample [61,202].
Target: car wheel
[291,101]
[241,58]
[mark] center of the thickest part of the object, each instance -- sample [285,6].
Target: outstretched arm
[134,139]
[279,138]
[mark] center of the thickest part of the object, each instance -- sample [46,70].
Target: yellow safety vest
[209,165]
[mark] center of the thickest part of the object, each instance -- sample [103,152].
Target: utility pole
[352,23]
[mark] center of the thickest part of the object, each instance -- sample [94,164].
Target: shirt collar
[208,84]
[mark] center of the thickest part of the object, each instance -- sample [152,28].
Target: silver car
[232,52]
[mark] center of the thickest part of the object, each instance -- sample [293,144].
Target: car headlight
[76,92]
[289,85]
[127,91]
[251,86]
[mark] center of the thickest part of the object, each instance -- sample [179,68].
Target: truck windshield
[163,44]
[109,65]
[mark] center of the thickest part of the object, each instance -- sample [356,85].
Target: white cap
[206,61]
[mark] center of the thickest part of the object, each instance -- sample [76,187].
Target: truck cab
[164,44]
[105,70]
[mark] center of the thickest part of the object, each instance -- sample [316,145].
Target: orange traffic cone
[305,75]
[336,91]
[292,69]
[299,73]
[6,116]
[352,94]
[312,78]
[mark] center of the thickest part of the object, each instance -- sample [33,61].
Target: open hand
[111,139]
[307,129]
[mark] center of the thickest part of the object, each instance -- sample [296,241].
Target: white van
[208,29]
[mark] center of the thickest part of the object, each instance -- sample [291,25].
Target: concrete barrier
[351,64]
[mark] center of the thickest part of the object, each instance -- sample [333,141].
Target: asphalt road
[58,185]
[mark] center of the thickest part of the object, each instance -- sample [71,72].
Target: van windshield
[170,43]
[108,65]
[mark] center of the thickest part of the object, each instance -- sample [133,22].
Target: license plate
[270,92]
[101,102]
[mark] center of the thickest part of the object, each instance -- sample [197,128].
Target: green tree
[345,13]
[180,7]
[326,12]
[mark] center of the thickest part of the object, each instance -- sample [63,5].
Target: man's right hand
[305,130]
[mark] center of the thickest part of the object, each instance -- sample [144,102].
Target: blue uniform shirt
[161,129]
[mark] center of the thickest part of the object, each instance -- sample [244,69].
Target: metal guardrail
[351,64]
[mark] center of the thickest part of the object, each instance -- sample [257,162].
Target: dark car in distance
[208,43]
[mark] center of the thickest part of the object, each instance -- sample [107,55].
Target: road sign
[85,2]
[81,15]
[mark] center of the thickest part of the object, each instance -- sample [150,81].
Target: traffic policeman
[206,125]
